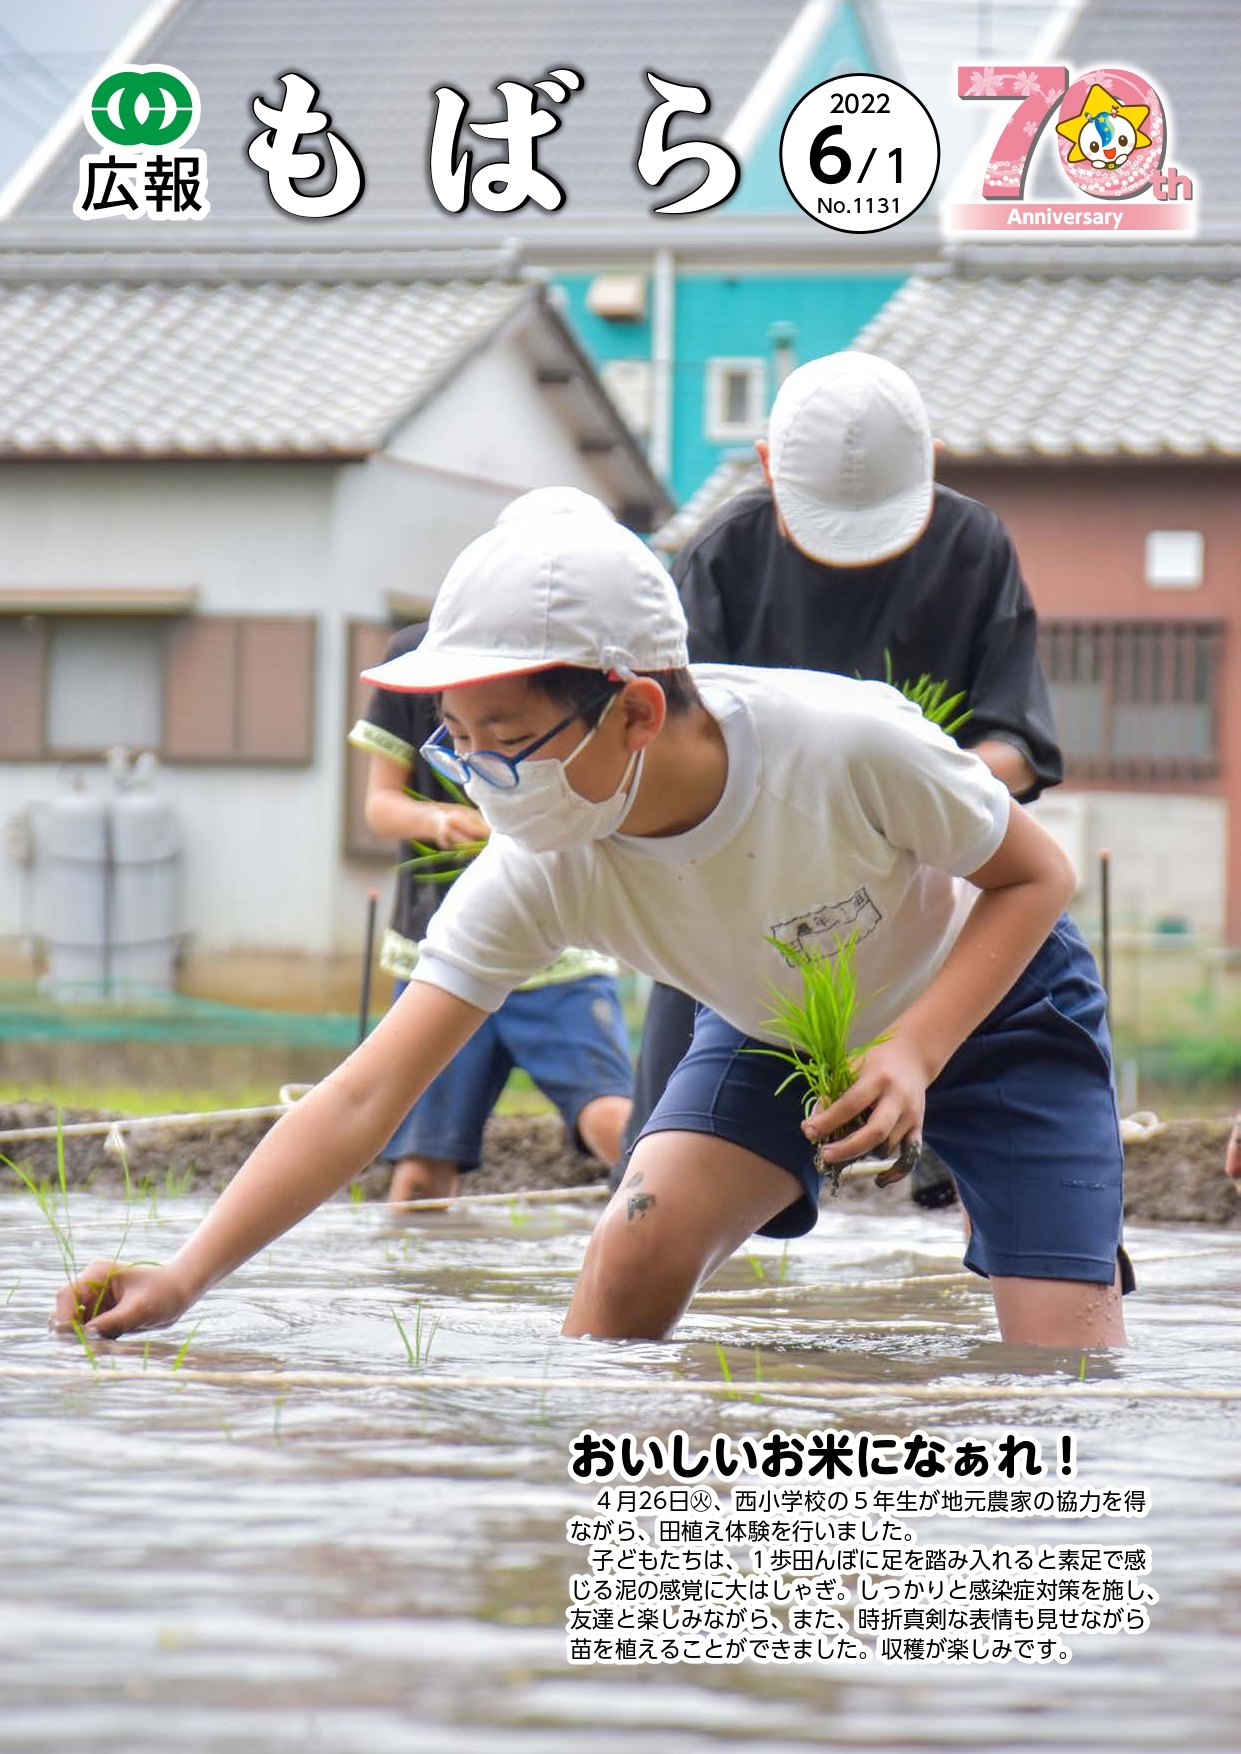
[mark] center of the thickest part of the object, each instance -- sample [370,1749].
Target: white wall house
[216,498]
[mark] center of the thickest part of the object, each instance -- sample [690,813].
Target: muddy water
[219,1555]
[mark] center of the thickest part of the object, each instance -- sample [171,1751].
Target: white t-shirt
[844,811]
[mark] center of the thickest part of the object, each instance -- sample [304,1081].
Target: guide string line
[595,1385]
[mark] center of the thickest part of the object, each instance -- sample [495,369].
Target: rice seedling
[45,1197]
[145,1190]
[929,695]
[357,1194]
[80,1334]
[726,1372]
[758,1376]
[13,1293]
[784,1263]
[178,1182]
[419,1349]
[52,1200]
[817,1028]
[756,1266]
[441,864]
[179,1360]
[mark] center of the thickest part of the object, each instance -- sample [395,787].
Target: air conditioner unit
[617,298]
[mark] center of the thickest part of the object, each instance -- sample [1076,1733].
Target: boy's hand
[458,824]
[110,1299]
[891,1084]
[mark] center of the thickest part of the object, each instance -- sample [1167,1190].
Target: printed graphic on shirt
[825,929]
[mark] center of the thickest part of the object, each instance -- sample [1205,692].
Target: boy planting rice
[680,819]
[851,558]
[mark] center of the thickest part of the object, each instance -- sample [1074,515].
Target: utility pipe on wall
[663,348]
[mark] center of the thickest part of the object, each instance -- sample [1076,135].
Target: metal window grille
[1135,700]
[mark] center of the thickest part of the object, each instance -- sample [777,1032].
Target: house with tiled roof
[1092,396]
[689,318]
[218,497]
[1098,414]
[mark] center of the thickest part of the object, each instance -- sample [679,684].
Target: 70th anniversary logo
[1111,138]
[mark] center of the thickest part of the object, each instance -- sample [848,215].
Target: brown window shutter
[276,692]
[23,687]
[365,645]
[200,692]
[240,688]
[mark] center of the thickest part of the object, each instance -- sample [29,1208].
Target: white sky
[47,53]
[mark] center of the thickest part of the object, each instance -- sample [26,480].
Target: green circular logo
[143,106]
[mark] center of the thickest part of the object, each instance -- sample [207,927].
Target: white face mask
[543,811]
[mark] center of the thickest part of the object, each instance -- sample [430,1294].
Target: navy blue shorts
[1024,1114]
[569,1036]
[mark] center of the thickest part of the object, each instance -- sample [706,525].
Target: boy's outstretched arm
[1026,884]
[327,1137]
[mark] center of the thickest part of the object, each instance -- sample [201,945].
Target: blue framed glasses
[490,764]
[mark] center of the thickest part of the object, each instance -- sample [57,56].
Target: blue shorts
[1024,1113]
[570,1037]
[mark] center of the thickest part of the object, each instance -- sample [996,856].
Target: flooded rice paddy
[307,1529]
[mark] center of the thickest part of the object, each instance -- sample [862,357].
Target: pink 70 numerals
[1041,89]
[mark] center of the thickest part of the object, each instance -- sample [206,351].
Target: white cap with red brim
[543,590]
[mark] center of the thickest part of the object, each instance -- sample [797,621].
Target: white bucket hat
[851,457]
[540,590]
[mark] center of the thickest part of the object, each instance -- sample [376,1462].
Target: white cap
[851,458]
[554,502]
[544,590]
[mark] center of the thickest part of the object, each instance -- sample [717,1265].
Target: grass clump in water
[417,1350]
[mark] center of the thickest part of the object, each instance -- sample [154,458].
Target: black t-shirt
[954,606]
[397,725]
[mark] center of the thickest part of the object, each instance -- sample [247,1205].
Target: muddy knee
[637,1276]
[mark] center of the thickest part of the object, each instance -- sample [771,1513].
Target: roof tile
[236,369]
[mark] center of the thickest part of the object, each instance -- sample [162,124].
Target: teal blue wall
[721,317]
[729,316]
[604,340]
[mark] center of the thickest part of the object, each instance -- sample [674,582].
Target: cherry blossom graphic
[987,83]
